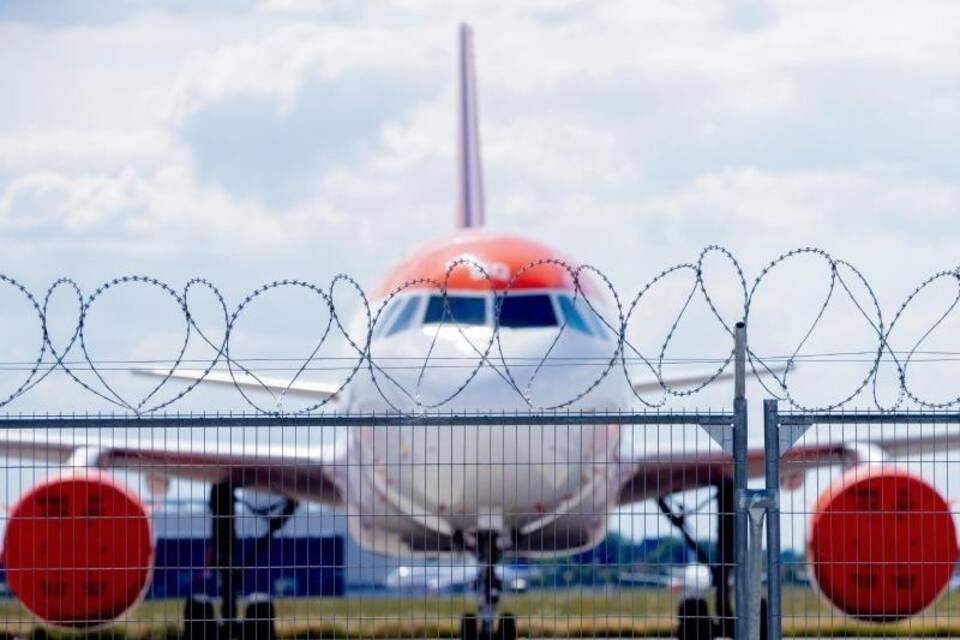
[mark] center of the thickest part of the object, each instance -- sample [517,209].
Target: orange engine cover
[78,550]
[882,544]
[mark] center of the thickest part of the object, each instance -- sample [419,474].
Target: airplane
[435,491]
[455,575]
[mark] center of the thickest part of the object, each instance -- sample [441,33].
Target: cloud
[677,126]
[276,68]
[164,209]
[876,198]
[244,145]
[83,150]
[61,13]
[102,13]
[54,201]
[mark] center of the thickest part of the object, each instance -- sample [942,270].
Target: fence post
[756,505]
[771,447]
[741,579]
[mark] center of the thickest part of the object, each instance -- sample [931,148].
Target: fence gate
[877,539]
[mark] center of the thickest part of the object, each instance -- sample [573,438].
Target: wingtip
[149,372]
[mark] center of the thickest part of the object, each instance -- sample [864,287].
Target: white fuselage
[429,489]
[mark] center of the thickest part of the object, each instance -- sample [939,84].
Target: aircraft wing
[317,390]
[322,390]
[309,473]
[653,474]
[699,379]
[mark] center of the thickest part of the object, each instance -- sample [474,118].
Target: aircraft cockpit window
[405,316]
[575,320]
[457,310]
[518,311]
[386,316]
[600,327]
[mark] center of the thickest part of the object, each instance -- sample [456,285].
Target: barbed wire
[400,380]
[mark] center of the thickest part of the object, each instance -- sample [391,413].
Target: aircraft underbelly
[411,483]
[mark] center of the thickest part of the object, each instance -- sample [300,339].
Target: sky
[245,142]
[254,140]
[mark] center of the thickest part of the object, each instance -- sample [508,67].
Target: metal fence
[868,499]
[462,524]
[481,524]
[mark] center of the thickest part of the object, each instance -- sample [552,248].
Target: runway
[554,613]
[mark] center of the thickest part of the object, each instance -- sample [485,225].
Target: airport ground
[556,613]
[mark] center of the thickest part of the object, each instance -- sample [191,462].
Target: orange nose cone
[78,550]
[479,260]
[882,544]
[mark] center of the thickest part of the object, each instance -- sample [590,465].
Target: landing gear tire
[258,618]
[763,619]
[693,620]
[469,627]
[199,619]
[507,629]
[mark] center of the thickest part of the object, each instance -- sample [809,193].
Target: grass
[557,613]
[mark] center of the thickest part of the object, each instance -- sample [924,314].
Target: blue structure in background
[615,550]
[288,567]
[330,565]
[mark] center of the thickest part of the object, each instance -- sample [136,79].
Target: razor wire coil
[599,298]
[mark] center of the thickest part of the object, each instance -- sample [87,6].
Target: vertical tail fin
[469,172]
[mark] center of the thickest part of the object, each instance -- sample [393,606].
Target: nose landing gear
[485,626]
[200,620]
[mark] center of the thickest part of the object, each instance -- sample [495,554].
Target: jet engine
[78,549]
[882,543]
